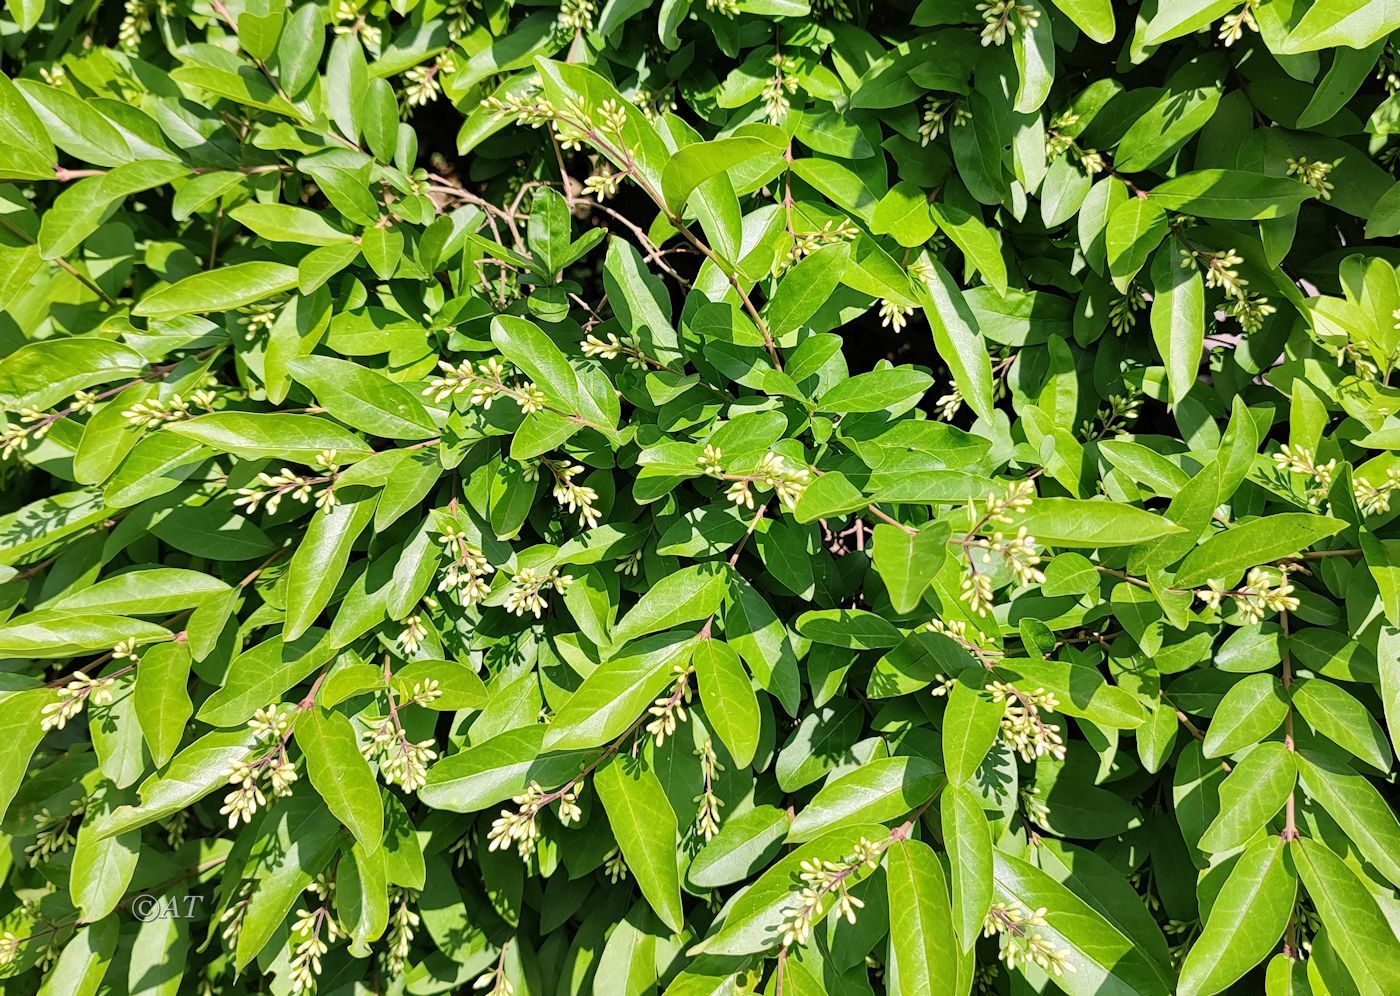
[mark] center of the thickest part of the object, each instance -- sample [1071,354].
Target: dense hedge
[705,498]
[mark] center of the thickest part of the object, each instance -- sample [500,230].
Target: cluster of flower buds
[423,84]
[1122,313]
[1022,726]
[1057,143]
[782,84]
[1314,173]
[269,725]
[602,185]
[483,384]
[614,346]
[823,880]
[313,932]
[54,834]
[1019,553]
[33,426]
[401,761]
[79,690]
[494,982]
[668,711]
[1113,417]
[1302,460]
[1232,26]
[288,483]
[1222,272]
[411,637]
[615,866]
[527,588]
[707,819]
[246,798]
[1002,17]
[1022,942]
[1265,590]
[574,497]
[467,571]
[804,244]
[935,120]
[403,923]
[154,412]
[520,827]
[772,474]
[1375,498]
[894,315]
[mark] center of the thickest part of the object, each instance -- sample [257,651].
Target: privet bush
[721,498]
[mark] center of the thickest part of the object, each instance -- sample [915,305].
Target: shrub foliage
[703,498]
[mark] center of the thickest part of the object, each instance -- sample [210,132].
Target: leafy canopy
[700,498]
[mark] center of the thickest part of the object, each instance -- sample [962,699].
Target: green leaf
[81,209]
[1252,709]
[1354,920]
[285,223]
[645,826]
[1103,960]
[224,289]
[1178,318]
[690,594]
[1246,920]
[320,560]
[829,496]
[1362,813]
[1225,555]
[364,399]
[102,871]
[40,374]
[347,78]
[156,591]
[339,772]
[163,699]
[1135,228]
[1232,194]
[485,773]
[971,725]
[970,861]
[195,772]
[956,336]
[261,674]
[694,164]
[1084,523]
[743,846]
[1093,17]
[727,693]
[904,213]
[884,789]
[908,564]
[1340,718]
[924,951]
[20,733]
[895,389]
[1353,23]
[1251,796]
[1177,19]
[81,967]
[618,692]
[283,435]
[853,628]
[805,288]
